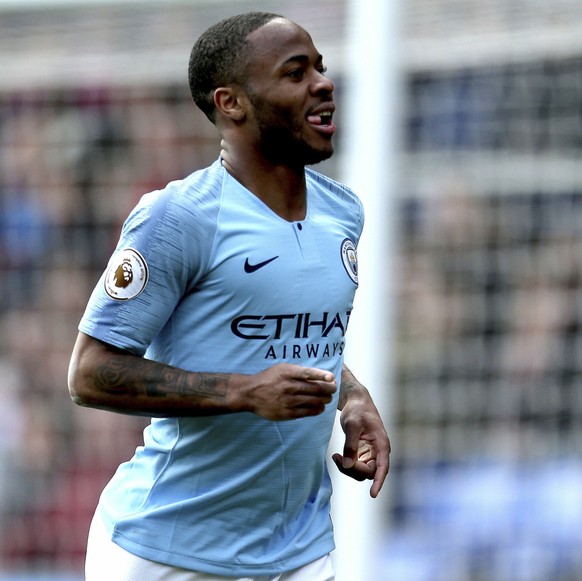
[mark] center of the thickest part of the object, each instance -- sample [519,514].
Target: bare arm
[105,377]
[366,454]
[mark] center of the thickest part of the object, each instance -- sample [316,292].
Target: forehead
[279,41]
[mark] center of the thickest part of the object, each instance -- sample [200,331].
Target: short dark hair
[219,57]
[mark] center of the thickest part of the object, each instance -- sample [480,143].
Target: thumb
[338,459]
[350,454]
[342,462]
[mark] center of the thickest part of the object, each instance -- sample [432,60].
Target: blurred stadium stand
[486,483]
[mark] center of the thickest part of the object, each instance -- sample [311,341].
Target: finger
[311,391]
[293,412]
[382,468]
[339,462]
[365,456]
[315,374]
[360,471]
[314,407]
[351,447]
[337,458]
[365,451]
[312,398]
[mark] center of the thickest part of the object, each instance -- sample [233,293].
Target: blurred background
[485,411]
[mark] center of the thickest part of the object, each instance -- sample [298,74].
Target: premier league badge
[127,275]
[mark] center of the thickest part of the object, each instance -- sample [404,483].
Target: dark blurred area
[72,164]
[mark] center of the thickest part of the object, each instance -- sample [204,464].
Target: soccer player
[222,315]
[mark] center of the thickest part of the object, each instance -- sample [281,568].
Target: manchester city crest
[350,259]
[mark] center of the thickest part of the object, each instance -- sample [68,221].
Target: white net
[486,482]
[489,411]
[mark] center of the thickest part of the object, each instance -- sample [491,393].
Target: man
[222,315]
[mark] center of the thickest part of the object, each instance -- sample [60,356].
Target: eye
[322,69]
[296,74]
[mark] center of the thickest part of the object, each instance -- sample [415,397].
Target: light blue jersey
[207,278]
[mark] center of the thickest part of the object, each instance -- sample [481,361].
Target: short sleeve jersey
[208,278]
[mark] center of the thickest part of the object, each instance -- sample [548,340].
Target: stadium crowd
[487,362]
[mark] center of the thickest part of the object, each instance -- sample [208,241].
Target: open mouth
[324,118]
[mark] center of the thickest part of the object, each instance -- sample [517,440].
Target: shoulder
[183,215]
[196,193]
[192,202]
[330,184]
[336,193]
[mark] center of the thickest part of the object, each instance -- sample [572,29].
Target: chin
[296,152]
[309,154]
[319,156]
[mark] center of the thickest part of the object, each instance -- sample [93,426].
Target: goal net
[488,401]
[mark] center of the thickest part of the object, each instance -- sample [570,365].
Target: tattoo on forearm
[136,377]
[347,387]
[114,375]
[201,384]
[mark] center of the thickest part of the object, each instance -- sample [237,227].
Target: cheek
[281,121]
[280,113]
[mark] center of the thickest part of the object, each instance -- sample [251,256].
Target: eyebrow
[302,58]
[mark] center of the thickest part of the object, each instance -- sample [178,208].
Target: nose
[322,84]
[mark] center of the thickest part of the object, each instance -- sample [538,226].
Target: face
[291,98]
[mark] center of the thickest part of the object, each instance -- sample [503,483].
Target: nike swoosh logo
[254,267]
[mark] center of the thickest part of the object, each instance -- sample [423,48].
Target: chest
[272,264]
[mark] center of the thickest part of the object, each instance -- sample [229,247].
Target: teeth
[321,118]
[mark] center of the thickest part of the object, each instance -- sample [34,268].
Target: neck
[281,187]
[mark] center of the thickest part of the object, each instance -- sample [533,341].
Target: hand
[366,454]
[286,391]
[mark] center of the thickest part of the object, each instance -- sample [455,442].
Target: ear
[229,103]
